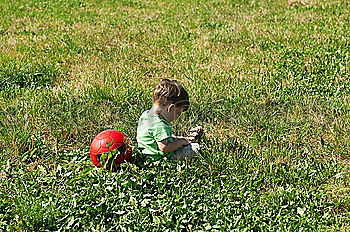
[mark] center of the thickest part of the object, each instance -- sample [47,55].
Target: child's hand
[195,134]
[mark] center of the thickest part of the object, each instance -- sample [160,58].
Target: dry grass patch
[306,3]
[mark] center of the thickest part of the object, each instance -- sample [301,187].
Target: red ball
[107,141]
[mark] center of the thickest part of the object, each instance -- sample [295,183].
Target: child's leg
[188,151]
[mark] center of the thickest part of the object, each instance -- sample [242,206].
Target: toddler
[154,131]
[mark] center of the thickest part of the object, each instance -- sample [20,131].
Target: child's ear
[169,107]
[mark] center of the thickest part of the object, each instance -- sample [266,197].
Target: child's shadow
[138,158]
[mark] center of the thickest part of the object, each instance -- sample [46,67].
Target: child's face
[174,112]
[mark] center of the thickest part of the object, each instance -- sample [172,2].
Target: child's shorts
[188,151]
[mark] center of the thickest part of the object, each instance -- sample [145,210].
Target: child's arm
[166,146]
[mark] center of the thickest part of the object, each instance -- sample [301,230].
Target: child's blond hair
[171,91]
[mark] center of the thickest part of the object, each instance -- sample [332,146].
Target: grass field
[268,81]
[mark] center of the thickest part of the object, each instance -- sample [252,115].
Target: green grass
[268,81]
